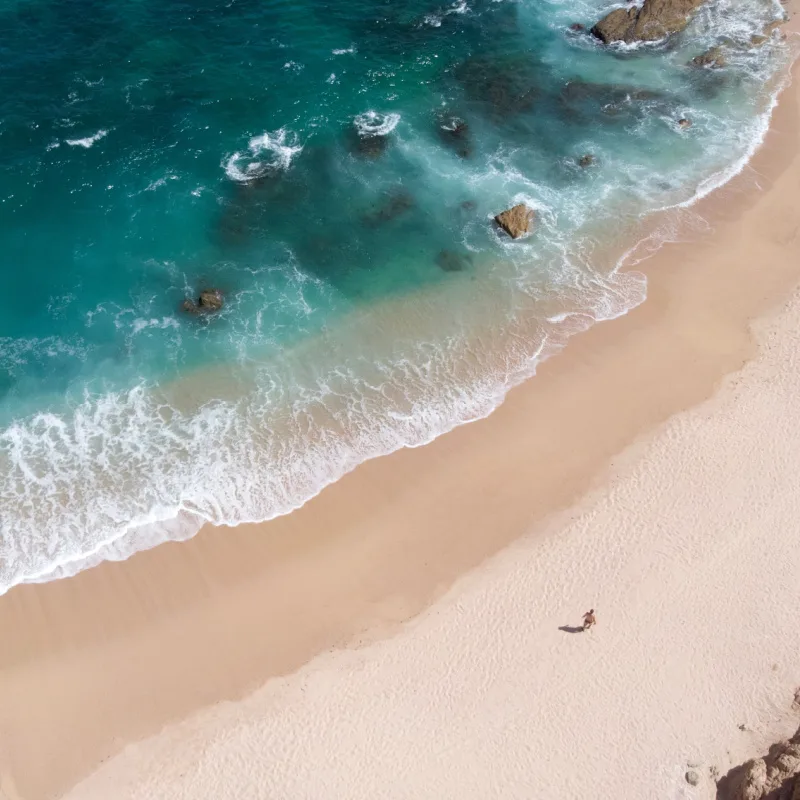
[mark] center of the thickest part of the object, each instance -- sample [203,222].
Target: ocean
[333,169]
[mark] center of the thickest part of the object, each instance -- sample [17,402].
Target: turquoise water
[333,168]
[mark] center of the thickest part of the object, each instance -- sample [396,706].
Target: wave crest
[265,154]
[374,123]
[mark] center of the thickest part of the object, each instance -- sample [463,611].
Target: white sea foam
[345,51]
[373,123]
[88,141]
[435,20]
[265,154]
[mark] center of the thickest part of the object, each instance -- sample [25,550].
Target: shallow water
[333,168]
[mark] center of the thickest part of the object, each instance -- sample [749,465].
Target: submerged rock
[371,146]
[684,123]
[515,221]
[582,101]
[451,261]
[656,19]
[714,57]
[454,132]
[397,203]
[586,160]
[210,300]
[506,87]
[576,27]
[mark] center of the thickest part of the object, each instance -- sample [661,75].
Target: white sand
[691,558]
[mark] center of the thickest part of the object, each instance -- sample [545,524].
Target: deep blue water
[314,161]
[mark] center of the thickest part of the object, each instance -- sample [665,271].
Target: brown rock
[753,783]
[210,300]
[684,123]
[775,776]
[576,27]
[515,221]
[714,58]
[655,20]
[586,160]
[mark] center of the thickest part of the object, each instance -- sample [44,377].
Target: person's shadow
[571,629]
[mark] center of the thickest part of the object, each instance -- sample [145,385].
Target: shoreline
[112,655]
[152,528]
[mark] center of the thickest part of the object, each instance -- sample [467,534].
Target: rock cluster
[777,775]
[515,221]
[655,20]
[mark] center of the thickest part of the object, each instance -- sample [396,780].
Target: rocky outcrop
[714,57]
[516,221]
[774,777]
[655,20]
[210,300]
[586,160]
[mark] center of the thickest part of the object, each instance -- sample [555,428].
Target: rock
[210,300]
[775,776]
[714,58]
[454,132]
[576,27]
[796,700]
[515,221]
[450,261]
[753,783]
[684,123]
[785,760]
[582,102]
[586,160]
[655,20]
[773,26]
[371,146]
[692,778]
[503,87]
[397,203]
[757,39]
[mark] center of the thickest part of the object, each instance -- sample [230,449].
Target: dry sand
[483,695]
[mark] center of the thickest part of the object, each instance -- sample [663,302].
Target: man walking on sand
[589,619]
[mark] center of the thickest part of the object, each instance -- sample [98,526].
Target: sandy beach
[403,634]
